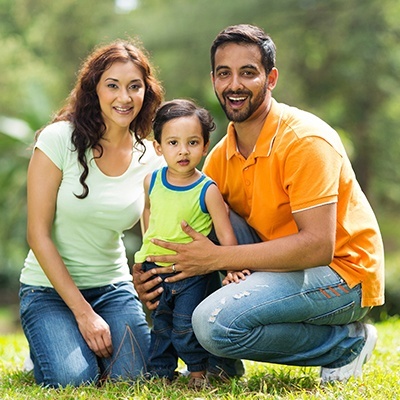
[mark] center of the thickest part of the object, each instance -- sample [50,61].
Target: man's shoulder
[300,125]
[305,123]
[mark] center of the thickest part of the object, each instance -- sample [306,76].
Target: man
[315,249]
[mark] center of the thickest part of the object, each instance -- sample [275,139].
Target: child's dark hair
[179,108]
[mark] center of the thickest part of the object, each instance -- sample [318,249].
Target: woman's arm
[43,181]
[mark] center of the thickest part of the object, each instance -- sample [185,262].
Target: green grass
[381,379]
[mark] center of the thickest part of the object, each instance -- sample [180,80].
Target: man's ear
[157,148]
[272,78]
[212,77]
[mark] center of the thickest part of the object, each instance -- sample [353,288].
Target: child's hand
[235,276]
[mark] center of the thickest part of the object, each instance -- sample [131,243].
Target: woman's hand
[195,258]
[145,283]
[96,333]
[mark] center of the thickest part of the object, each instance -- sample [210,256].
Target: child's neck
[183,179]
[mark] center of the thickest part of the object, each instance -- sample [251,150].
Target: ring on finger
[173,268]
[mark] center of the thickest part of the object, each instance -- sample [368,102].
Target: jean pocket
[28,294]
[339,316]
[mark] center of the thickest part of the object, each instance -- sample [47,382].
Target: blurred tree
[342,69]
[14,155]
[43,44]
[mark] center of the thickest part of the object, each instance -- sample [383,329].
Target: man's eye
[223,73]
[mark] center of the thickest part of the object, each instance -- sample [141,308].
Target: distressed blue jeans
[294,318]
[60,354]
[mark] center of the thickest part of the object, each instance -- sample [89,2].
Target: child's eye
[173,142]
[194,142]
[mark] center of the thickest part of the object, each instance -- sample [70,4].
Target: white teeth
[237,98]
[122,109]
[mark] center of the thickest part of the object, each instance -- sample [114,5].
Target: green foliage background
[339,59]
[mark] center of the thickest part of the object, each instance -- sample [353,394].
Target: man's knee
[207,332]
[199,323]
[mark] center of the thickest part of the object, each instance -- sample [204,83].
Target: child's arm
[235,276]
[144,221]
[220,217]
[223,228]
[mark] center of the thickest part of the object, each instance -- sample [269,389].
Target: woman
[79,310]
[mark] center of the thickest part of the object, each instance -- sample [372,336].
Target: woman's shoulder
[55,141]
[56,131]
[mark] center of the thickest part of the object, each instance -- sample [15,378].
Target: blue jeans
[294,318]
[60,354]
[172,334]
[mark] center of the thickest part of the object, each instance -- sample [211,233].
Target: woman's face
[121,91]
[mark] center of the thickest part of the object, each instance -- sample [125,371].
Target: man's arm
[312,246]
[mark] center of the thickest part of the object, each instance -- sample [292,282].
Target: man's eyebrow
[218,67]
[247,66]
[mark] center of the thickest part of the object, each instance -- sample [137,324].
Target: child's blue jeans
[172,334]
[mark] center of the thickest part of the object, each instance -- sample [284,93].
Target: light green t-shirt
[169,205]
[88,233]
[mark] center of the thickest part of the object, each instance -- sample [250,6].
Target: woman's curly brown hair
[82,107]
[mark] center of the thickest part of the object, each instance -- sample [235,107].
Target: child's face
[182,143]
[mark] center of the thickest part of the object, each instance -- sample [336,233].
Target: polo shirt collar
[267,136]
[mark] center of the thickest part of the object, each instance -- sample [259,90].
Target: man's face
[240,82]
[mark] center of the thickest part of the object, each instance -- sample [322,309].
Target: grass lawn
[381,379]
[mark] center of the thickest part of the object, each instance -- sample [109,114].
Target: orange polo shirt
[299,162]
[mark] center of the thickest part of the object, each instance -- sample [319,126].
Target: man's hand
[145,283]
[195,258]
